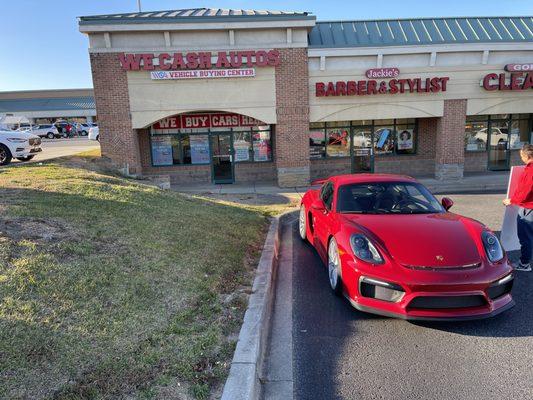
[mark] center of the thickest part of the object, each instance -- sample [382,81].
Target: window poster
[383,136]
[261,151]
[161,150]
[199,149]
[405,139]
[242,150]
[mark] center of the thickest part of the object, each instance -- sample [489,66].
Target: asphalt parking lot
[53,148]
[341,353]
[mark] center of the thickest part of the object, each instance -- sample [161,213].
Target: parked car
[83,129]
[17,144]
[64,128]
[392,249]
[94,133]
[48,130]
[498,137]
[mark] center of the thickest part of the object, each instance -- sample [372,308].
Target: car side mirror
[318,205]
[447,203]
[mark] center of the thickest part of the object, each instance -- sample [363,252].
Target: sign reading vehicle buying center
[198,65]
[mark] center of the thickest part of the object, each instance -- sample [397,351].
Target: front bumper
[475,299]
[27,151]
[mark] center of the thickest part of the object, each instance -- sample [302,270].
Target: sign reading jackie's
[199,60]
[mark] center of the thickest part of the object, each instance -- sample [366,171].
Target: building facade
[210,95]
[47,106]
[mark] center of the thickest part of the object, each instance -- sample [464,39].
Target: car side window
[326,194]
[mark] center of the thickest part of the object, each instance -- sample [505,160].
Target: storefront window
[520,131]
[506,132]
[405,139]
[476,129]
[262,146]
[338,142]
[384,136]
[242,145]
[317,143]
[383,140]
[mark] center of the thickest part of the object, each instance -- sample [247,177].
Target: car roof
[366,178]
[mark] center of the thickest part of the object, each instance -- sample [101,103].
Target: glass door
[222,157]
[362,154]
[499,154]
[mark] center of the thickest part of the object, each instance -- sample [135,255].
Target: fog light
[380,290]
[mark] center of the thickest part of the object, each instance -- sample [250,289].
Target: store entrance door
[362,154]
[222,157]
[499,154]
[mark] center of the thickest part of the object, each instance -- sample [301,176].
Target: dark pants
[524,225]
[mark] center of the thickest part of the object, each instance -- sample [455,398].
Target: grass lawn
[112,289]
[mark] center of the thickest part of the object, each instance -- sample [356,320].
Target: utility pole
[139,5]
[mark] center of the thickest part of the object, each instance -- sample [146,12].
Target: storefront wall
[276,95]
[441,137]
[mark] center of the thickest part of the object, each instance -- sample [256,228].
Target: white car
[47,130]
[94,133]
[20,145]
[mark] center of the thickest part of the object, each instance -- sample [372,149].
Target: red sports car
[392,249]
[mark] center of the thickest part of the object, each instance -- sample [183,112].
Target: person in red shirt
[523,198]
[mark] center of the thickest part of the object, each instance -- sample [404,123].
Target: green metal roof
[420,31]
[193,15]
[47,104]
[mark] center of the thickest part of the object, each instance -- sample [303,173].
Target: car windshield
[386,198]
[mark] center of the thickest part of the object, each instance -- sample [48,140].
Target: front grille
[442,268]
[440,302]
[35,141]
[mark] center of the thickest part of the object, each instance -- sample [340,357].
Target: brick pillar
[118,139]
[450,143]
[292,109]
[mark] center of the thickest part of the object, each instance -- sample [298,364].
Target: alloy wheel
[301,223]
[333,264]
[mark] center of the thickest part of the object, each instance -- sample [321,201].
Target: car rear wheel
[302,223]
[334,267]
[5,155]
[84,133]
[50,135]
[27,158]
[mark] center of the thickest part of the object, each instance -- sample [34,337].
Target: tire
[50,135]
[334,268]
[302,223]
[84,133]
[64,135]
[97,138]
[23,159]
[5,155]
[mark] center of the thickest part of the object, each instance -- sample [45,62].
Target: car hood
[441,240]
[17,134]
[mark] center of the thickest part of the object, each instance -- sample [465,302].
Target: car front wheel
[302,223]
[50,135]
[334,267]
[5,155]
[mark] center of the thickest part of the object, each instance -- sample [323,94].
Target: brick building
[211,95]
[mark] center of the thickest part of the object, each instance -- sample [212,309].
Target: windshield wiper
[353,212]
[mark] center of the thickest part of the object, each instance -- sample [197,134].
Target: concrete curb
[243,380]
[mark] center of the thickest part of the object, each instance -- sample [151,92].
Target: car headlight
[492,245]
[363,249]
[16,140]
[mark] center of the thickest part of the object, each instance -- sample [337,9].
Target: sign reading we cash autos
[200,65]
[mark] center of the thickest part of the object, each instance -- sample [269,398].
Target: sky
[42,48]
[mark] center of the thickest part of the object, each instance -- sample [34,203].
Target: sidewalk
[474,182]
